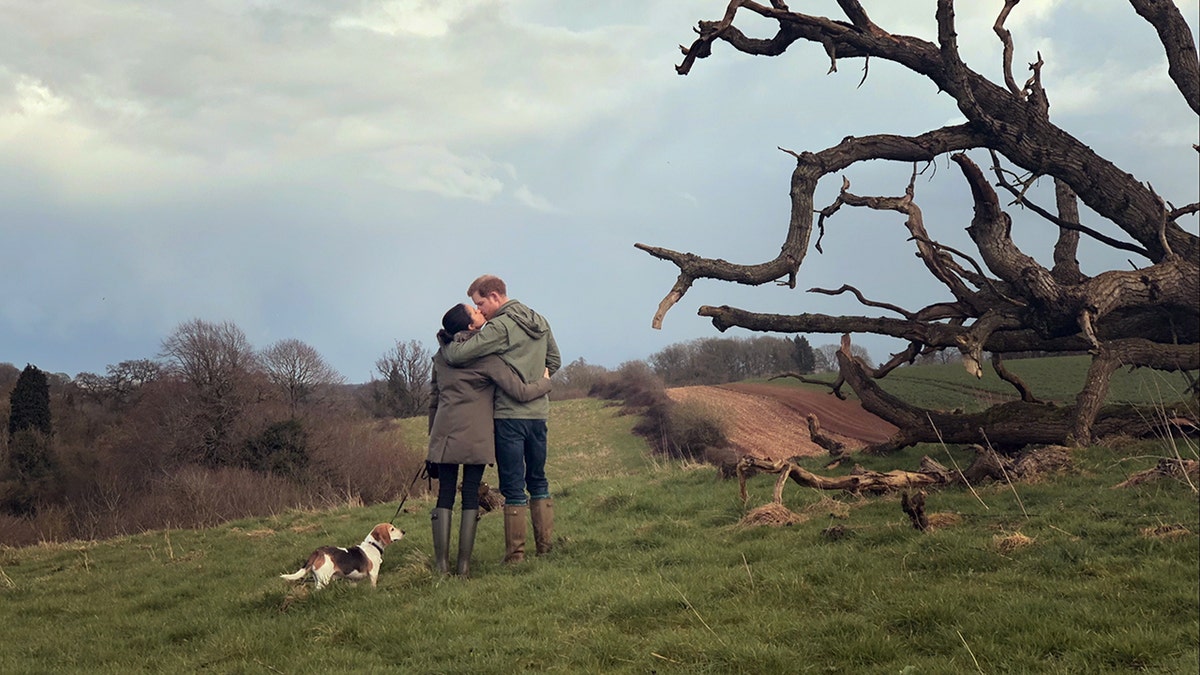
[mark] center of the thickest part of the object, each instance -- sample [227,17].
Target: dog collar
[377,547]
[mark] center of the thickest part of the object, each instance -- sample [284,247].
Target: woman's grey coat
[461,407]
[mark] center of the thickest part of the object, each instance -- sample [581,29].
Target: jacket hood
[530,321]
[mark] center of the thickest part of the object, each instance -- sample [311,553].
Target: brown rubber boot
[542,512]
[514,533]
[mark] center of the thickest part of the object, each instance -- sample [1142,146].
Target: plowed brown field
[769,420]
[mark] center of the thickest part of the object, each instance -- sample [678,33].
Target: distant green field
[1057,379]
[655,572]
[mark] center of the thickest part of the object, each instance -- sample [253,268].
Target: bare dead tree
[218,365]
[404,389]
[298,371]
[1002,300]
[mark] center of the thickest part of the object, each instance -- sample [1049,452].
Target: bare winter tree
[217,363]
[122,384]
[1001,300]
[404,389]
[298,371]
[829,353]
[720,360]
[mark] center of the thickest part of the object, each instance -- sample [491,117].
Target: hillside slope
[770,421]
[656,568]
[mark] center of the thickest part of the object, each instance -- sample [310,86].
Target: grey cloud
[271,164]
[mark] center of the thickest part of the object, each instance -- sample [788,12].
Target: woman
[461,432]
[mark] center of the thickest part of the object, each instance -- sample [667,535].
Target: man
[522,338]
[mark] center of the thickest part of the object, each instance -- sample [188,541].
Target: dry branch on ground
[988,465]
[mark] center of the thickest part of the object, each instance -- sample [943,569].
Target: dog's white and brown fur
[361,562]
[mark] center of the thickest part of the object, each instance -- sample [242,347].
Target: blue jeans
[521,460]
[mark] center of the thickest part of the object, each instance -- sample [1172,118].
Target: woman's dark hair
[454,321]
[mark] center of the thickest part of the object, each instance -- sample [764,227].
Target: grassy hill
[1057,379]
[654,572]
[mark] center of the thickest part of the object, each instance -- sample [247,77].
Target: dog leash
[416,476]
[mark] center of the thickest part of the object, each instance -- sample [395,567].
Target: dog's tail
[297,575]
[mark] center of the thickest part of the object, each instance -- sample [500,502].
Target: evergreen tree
[802,353]
[31,475]
[29,402]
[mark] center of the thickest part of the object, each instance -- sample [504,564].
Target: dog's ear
[383,533]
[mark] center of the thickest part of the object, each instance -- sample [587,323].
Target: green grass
[653,573]
[1056,379]
[1052,379]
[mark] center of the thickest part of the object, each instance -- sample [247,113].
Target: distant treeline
[211,428]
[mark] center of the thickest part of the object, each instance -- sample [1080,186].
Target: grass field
[654,572]
[1058,380]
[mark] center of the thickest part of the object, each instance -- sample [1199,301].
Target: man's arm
[491,339]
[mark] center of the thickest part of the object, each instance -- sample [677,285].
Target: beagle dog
[360,562]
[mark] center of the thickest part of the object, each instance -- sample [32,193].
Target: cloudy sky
[338,172]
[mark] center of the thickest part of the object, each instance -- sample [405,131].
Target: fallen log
[988,465]
[835,447]
[859,481]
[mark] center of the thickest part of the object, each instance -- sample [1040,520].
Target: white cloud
[435,169]
[424,18]
[214,90]
[48,135]
[536,202]
[34,99]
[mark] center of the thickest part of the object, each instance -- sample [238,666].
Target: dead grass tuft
[830,506]
[1008,543]
[939,521]
[1175,531]
[772,515]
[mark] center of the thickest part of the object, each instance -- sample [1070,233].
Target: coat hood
[530,321]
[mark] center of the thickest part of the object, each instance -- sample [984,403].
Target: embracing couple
[488,405]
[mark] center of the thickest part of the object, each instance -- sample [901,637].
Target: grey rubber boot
[466,541]
[440,520]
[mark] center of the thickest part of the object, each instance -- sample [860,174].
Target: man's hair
[486,285]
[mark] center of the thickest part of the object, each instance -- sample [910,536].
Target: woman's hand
[546,373]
